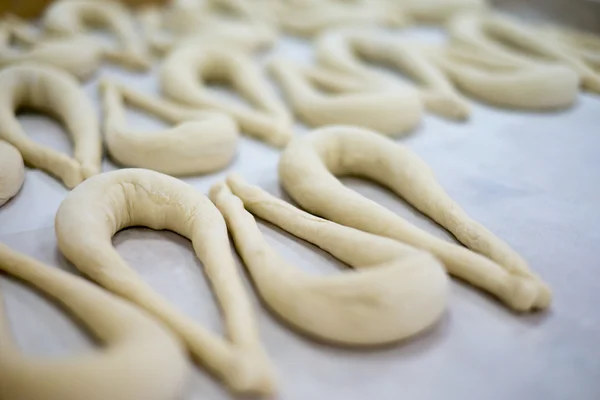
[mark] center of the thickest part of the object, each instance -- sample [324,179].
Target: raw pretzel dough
[12,171]
[72,17]
[179,81]
[400,292]
[490,30]
[580,44]
[57,52]
[351,102]
[311,18]
[437,11]
[308,168]
[339,50]
[98,208]
[51,90]
[142,360]
[200,142]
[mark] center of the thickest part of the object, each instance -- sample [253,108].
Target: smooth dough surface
[53,91]
[396,292]
[12,171]
[139,359]
[308,168]
[92,213]
[200,142]
[182,75]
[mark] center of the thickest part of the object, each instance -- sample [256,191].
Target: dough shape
[580,44]
[12,171]
[438,11]
[398,291]
[97,209]
[339,50]
[53,91]
[491,30]
[349,101]
[73,17]
[57,52]
[184,70]
[311,18]
[308,168]
[141,359]
[200,142]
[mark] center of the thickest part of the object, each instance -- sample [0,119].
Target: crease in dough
[308,168]
[396,292]
[498,33]
[12,171]
[182,79]
[92,213]
[56,51]
[140,359]
[324,97]
[200,142]
[74,17]
[54,92]
[340,51]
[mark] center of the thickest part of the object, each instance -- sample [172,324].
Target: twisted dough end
[12,171]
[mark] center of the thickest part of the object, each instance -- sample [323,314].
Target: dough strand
[397,291]
[97,209]
[141,359]
[12,171]
[308,168]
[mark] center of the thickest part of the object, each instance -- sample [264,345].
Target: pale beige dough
[73,17]
[340,51]
[397,291]
[182,75]
[491,31]
[324,97]
[308,168]
[140,359]
[200,142]
[57,52]
[97,209]
[438,11]
[53,91]
[12,171]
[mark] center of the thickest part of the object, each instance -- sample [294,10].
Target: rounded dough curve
[72,17]
[12,171]
[269,121]
[51,90]
[201,142]
[142,360]
[398,291]
[308,168]
[97,209]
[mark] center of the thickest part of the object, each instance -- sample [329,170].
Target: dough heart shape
[308,168]
[269,121]
[140,359]
[397,291]
[51,90]
[340,50]
[12,171]
[73,17]
[346,100]
[201,142]
[93,212]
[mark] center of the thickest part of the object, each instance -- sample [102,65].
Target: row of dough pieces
[204,141]
[399,289]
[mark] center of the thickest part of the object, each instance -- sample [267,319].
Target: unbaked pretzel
[348,100]
[398,291]
[140,359]
[97,209]
[53,91]
[339,50]
[200,142]
[12,171]
[73,17]
[438,11]
[308,168]
[268,119]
